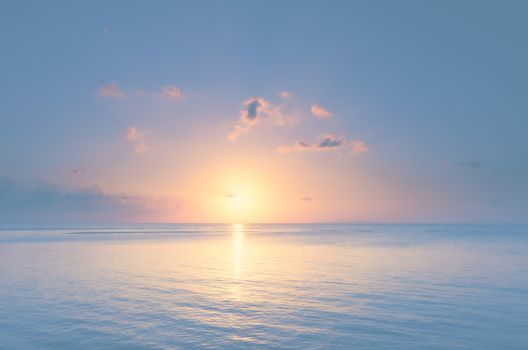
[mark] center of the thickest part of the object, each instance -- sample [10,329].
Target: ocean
[261,286]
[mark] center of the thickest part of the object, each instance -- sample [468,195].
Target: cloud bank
[43,201]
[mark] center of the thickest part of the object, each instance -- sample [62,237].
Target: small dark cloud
[473,164]
[306,199]
[325,142]
[252,109]
[330,141]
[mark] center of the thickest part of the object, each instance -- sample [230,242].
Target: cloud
[254,106]
[330,141]
[257,110]
[473,164]
[326,142]
[172,92]
[285,95]
[358,147]
[111,90]
[320,112]
[306,199]
[43,201]
[137,138]
[78,171]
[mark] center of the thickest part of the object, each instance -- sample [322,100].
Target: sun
[239,203]
[242,201]
[240,194]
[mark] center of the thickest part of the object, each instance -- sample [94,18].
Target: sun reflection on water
[238,248]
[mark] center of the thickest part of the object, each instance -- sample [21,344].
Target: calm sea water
[264,286]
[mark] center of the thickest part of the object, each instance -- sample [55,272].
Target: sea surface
[264,287]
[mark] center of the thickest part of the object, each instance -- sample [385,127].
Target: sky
[263,111]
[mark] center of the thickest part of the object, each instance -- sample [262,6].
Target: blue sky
[434,90]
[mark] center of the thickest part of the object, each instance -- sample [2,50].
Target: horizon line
[271,223]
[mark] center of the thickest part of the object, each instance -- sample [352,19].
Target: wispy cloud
[306,199]
[111,90]
[320,112]
[256,110]
[137,138]
[172,92]
[358,147]
[78,171]
[473,164]
[326,142]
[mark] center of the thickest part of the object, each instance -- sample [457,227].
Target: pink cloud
[137,139]
[111,90]
[358,147]
[285,95]
[172,92]
[320,111]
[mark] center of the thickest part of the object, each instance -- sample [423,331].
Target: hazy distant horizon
[265,223]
